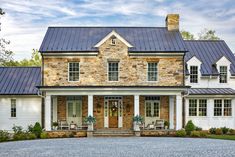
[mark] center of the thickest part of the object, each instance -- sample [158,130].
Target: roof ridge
[104,27]
[204,40]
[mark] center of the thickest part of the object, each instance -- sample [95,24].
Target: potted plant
[55,125]
[90,120]
[166,125]
[138,120]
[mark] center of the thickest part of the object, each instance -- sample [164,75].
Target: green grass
[222,137]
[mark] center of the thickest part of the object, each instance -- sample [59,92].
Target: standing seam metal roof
[19,80]
[82,39]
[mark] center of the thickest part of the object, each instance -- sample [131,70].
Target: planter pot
[55,127]
[136,126]
[90,127]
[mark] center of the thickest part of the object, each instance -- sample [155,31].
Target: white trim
[108,70]
[110,35]
[148,71]
[48,113]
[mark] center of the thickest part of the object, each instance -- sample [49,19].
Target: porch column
[178,112]
[171,113]
[137,105]
[48,113]
[90,110]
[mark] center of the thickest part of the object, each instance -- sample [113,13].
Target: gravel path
[119,147]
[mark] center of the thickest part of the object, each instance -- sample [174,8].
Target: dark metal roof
[19,80]
[83,39]
[211,91]
[209,52]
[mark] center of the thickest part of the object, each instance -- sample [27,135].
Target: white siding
[28,111]
[210,120]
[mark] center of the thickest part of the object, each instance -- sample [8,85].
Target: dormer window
[193,74]
[223,74]
[113,41]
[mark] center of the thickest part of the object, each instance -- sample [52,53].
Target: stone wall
[133,70]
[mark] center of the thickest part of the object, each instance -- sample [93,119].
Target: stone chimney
[172,22]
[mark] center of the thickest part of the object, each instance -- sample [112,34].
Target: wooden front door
[113,113]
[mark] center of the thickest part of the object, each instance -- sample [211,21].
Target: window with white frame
[227,107]
[223,74]
[152,71]
[113,41]
[113,71]
[13,107]
[217,107]
[74,71]
[152,109]
[197,107]
[223,107]
[192,107]
[193,74]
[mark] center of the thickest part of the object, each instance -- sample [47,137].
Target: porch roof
[211,91]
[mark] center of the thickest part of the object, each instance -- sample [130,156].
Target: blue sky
[25,22]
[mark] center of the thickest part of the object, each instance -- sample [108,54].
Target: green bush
[225,130]
[195,134]
[218,131]
[37,129]
[181,133]
[17,129]
[189,127]
[198,128]
[212,130]
[30,128]
[20,136]
[4,136]
[31,136]
[43,135]
[203,134]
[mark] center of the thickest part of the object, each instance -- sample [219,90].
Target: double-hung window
[74,71]
[193,74]
[113,71]
[152,71]
[222,107]
[223,74]
[13,107]
[197,107]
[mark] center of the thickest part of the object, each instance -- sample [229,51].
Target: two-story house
[116,73]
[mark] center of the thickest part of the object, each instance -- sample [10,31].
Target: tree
[187,35]
[35,60]
[5,55]
[208,34]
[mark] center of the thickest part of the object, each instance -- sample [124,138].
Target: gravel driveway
[128,146]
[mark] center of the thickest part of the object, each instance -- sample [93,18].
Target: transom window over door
[152,71]
[74,71]
[113,71]
[193,74]
[223,74]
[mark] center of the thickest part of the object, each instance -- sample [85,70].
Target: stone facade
[132,69]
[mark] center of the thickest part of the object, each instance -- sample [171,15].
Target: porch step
[113,133]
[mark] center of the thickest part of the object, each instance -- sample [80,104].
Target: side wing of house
[19,103]
[210,73]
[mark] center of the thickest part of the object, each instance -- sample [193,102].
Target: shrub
[203,134]
[198,128]
[195,134]
[43,135]
[31,136]
[30,128]
[181,133]
[37,129]
[225,130]
[20,136]
[231,131]
[17,129]
[212,130]
[189,127]
[218,131]
[4,136]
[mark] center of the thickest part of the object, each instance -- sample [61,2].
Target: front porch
[113,109]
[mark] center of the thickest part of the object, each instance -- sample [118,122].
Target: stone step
[113,133]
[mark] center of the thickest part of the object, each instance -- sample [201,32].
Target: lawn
[223,137]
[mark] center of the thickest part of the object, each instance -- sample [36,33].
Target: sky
[26,21]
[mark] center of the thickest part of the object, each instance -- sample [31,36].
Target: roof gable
[223,60]
[113,33]
[194,61]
